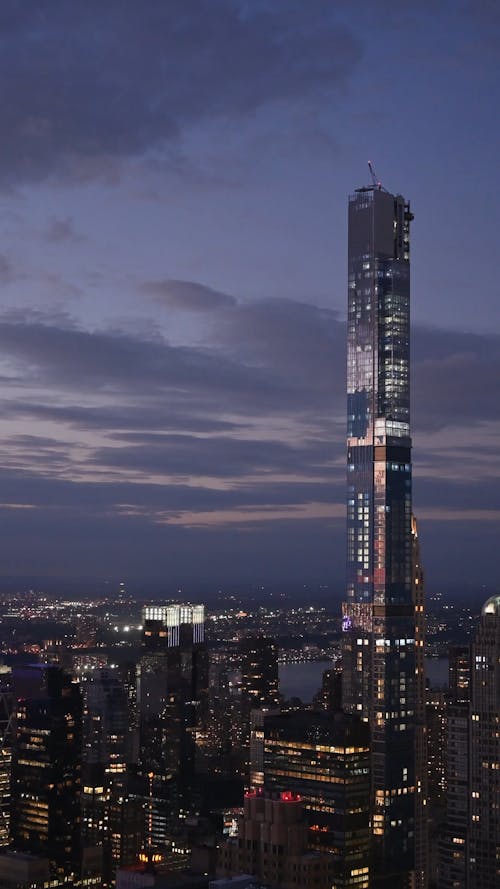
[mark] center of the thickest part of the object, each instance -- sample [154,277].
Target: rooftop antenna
[375,182]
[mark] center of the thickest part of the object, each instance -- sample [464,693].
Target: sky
[174,180]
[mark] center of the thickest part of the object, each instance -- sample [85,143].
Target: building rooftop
[491,606]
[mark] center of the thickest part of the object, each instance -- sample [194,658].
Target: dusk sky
[174,178]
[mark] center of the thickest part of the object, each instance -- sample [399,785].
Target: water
[304,680]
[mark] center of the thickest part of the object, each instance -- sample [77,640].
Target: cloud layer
[86,82]
[240,435]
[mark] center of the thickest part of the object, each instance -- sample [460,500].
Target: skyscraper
[484,739]
[379,614]
[46,767]
[172,688]
[324,759]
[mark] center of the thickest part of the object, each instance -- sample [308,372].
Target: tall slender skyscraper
[379,614]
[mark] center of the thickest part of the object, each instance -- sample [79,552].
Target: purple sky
[173,274]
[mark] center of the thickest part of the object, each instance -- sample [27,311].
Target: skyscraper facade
[46,767]
[379,614]
[484,757]
[172,690]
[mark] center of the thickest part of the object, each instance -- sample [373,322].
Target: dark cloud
[218,456]
[118,363]
[456,378]
[84,82]
[154,414]
[187,295]
[7,273]
[61,231]
[264,420]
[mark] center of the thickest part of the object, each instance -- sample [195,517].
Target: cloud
[217,456]
[187,295]
[84,83]
[61,231]
[454,377]
[246,431]
[7,273]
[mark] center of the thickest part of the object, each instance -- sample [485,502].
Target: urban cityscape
[249,599]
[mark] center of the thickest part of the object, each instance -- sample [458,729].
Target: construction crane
[375,182]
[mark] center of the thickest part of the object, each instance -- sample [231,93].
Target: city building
[172,692]
[324,758]
[46,767]
[421,751]
[6,732]
[459,673]
[453,841]
[259,674]
[111,820]
[379,612]
[272,845]
[329,696]
[259,690]
[484,751]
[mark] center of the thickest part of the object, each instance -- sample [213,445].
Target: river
[303,680]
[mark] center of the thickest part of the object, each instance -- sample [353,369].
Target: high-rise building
[6,734]
[259,690]
[259,673]
[272,845]
[484,755]
[110,819]
[453,842]
[379,614]
[172,689]
[421,747]
[459,673]
[46,767]
[325,759]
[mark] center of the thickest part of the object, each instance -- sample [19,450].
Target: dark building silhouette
[453,844]
[421,732]
[6,734]
[459,674]
[379,615]
[329,696]
[46,767]
[325,759]
[111,819]
[259,673]
[259,691]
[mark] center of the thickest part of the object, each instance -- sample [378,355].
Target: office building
[324,758]
[6,733]
[259,673]
[111,820]
[259,690]
[172,693]
[459,673]
[453,842]
[329,696]
[421,751]
[272,845]
[46,767]
[379,612]
[484,751]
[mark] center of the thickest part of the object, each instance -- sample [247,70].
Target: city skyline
[173,278]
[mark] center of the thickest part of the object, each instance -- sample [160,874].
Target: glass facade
[379,613]
[324,758]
